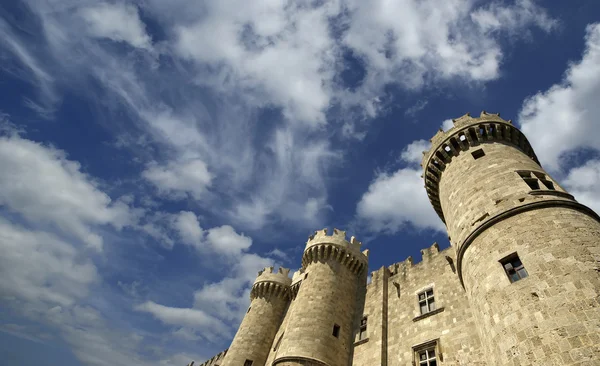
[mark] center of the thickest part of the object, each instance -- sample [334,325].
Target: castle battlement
[321,246]
[466,133]
[520,270]
[269,283]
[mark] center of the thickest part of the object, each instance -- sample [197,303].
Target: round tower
[320,329]
[269,297]
[527,251]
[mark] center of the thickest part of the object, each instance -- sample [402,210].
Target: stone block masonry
[518,286]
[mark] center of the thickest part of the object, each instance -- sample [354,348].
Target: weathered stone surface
[551,317]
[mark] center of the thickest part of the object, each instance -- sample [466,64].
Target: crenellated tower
[526,250]
[327,305]
[270,296]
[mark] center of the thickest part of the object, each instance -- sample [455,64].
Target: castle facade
[519,285]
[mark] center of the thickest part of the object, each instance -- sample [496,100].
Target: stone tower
[527,252]
[322,321]
[269,297]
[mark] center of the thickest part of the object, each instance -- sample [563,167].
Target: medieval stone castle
[519,285]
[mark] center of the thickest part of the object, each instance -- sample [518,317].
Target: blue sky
[156,154]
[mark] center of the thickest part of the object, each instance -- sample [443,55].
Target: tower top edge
[460,123]
[338,237]
[268,274]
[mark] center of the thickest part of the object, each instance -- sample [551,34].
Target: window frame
[362,330]
[427,300]
[514,273]
[429,346]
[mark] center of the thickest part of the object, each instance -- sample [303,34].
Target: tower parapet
[268,283]
[468,132]
[321,247]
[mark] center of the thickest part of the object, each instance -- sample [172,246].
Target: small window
[514,268]
[336,330]
[478,154]
[362,334]
[426,301]
[427,357]
[250,307]
[248,363]
[533,180]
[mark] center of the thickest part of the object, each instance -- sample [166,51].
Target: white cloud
[413,152]
[118,22]
[180,178]
[184,317]
[280,53]
[224,239]
[42,185]
[39,268]
[582,182]
[515,18]
[396,200]
[562,118]
[415,42]
[447,124]
[187,226]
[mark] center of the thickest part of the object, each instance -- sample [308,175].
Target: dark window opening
[427,357]
[248,363]
[478,154]
[482,131]
[514,268]
[248,309]
[532,183]
[426,301]
[473,134]
[533,180]
[362,334]
[336,330]
[455,144]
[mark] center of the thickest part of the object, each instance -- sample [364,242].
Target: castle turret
[269,297]
[527,251]
[325,313]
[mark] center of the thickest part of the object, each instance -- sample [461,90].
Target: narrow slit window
[250,307]
[362,334]
[514,268]
[426,301]
[478,154]
[336,331]
[248,363]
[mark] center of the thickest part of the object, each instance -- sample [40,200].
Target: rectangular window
[336,330]
[363,329]
[427,357]
[248,363]
[426,301]
[427,354]
[478,154]
[533,180]
[514,268]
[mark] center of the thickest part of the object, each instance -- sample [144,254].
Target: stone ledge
[426,315]
[362,341]
[550,192]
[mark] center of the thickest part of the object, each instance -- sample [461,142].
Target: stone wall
[452,324]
